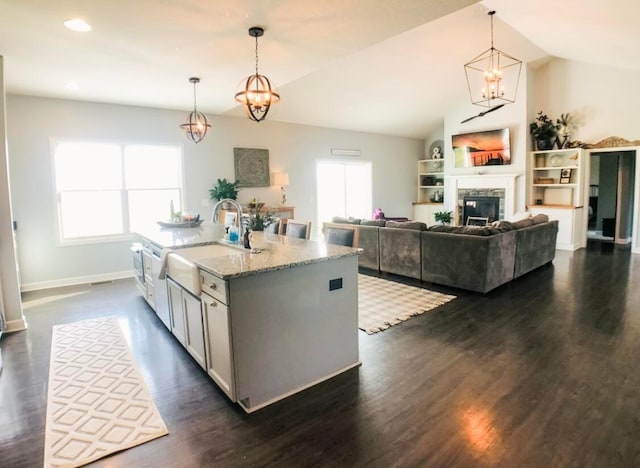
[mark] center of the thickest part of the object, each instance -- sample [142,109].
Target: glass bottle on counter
[247,245]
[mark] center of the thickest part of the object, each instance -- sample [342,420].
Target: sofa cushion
[373,222]
[442,228]
[522,223]
[415,225]
[341,220]
[540,218]
[503,226]
[477,230]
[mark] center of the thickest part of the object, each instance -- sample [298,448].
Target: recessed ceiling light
[77,25]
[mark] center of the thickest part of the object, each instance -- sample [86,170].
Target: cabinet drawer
[213,286]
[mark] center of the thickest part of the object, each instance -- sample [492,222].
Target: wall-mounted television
[488,148]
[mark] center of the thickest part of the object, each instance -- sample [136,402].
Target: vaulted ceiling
[391,67]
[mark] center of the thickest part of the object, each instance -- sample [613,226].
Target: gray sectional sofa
[476,258]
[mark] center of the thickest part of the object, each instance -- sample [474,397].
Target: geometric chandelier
[256,92]
[493,76]
[196,125]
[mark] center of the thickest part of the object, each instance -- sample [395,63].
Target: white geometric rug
[97,401]
[383,303]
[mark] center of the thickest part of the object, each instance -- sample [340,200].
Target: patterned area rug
[383,303]
[97,401]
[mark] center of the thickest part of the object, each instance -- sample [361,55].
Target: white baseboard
[76,280]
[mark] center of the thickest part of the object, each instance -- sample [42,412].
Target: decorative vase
[257,240]
[544,145]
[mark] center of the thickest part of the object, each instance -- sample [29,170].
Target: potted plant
[224,189]
[443,217]
[258,220]
[543,131]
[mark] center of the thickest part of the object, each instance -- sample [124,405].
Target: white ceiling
[381,66]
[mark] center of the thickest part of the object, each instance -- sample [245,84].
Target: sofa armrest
[535,246]
[475,263]
[400,252]
[369,242]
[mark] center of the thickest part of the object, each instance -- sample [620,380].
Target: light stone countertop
[177,238]
[282,253]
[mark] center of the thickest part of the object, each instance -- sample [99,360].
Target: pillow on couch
[341,220]
[373,222]
[442,228]
[415,225]
[540,218]
[523,223]
[502,226]
[477,230]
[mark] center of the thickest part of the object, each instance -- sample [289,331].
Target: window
[106,190]
[344,189]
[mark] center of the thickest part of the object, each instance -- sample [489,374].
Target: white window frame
[346,162]
[126,235]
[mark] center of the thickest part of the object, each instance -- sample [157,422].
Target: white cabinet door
[176,310]
[195,330]
[426,212]
[218,342]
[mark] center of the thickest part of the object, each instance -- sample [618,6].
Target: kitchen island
[269,324]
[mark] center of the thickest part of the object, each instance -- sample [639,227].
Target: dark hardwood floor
[543,371]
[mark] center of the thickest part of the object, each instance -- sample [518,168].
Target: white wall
[10,303]
[32,122]
[602,100]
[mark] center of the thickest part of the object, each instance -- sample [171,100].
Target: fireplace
[501,186]
[480,210]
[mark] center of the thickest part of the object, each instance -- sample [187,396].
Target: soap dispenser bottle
[247,244]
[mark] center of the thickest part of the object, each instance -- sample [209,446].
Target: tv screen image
[488,148]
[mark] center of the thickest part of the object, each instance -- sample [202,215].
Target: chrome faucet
[236,205]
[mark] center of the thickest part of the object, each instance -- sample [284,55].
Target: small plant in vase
[543,131]
[443,217]
[258,219]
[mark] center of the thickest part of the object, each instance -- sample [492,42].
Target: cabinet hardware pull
[213,304]
[213,286]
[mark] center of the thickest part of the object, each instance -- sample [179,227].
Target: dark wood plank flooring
[542,372]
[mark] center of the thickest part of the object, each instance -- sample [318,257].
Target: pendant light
[256,93]
[493,76]
[196,125]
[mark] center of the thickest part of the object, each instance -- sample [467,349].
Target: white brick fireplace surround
[505,182]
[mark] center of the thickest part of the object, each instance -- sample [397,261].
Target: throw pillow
[522,223]
[341,220]
[415,225]
[502,226]
[373,222]
[442,228]
[477,230]
[540,218]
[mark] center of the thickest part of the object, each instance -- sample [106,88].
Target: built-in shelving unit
[430,190]
[556,188]
[556,178]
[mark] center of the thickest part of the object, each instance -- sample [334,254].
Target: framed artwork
[251,167]
[565,176]
[489,148]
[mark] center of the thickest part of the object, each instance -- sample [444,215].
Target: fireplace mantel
[506,182]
